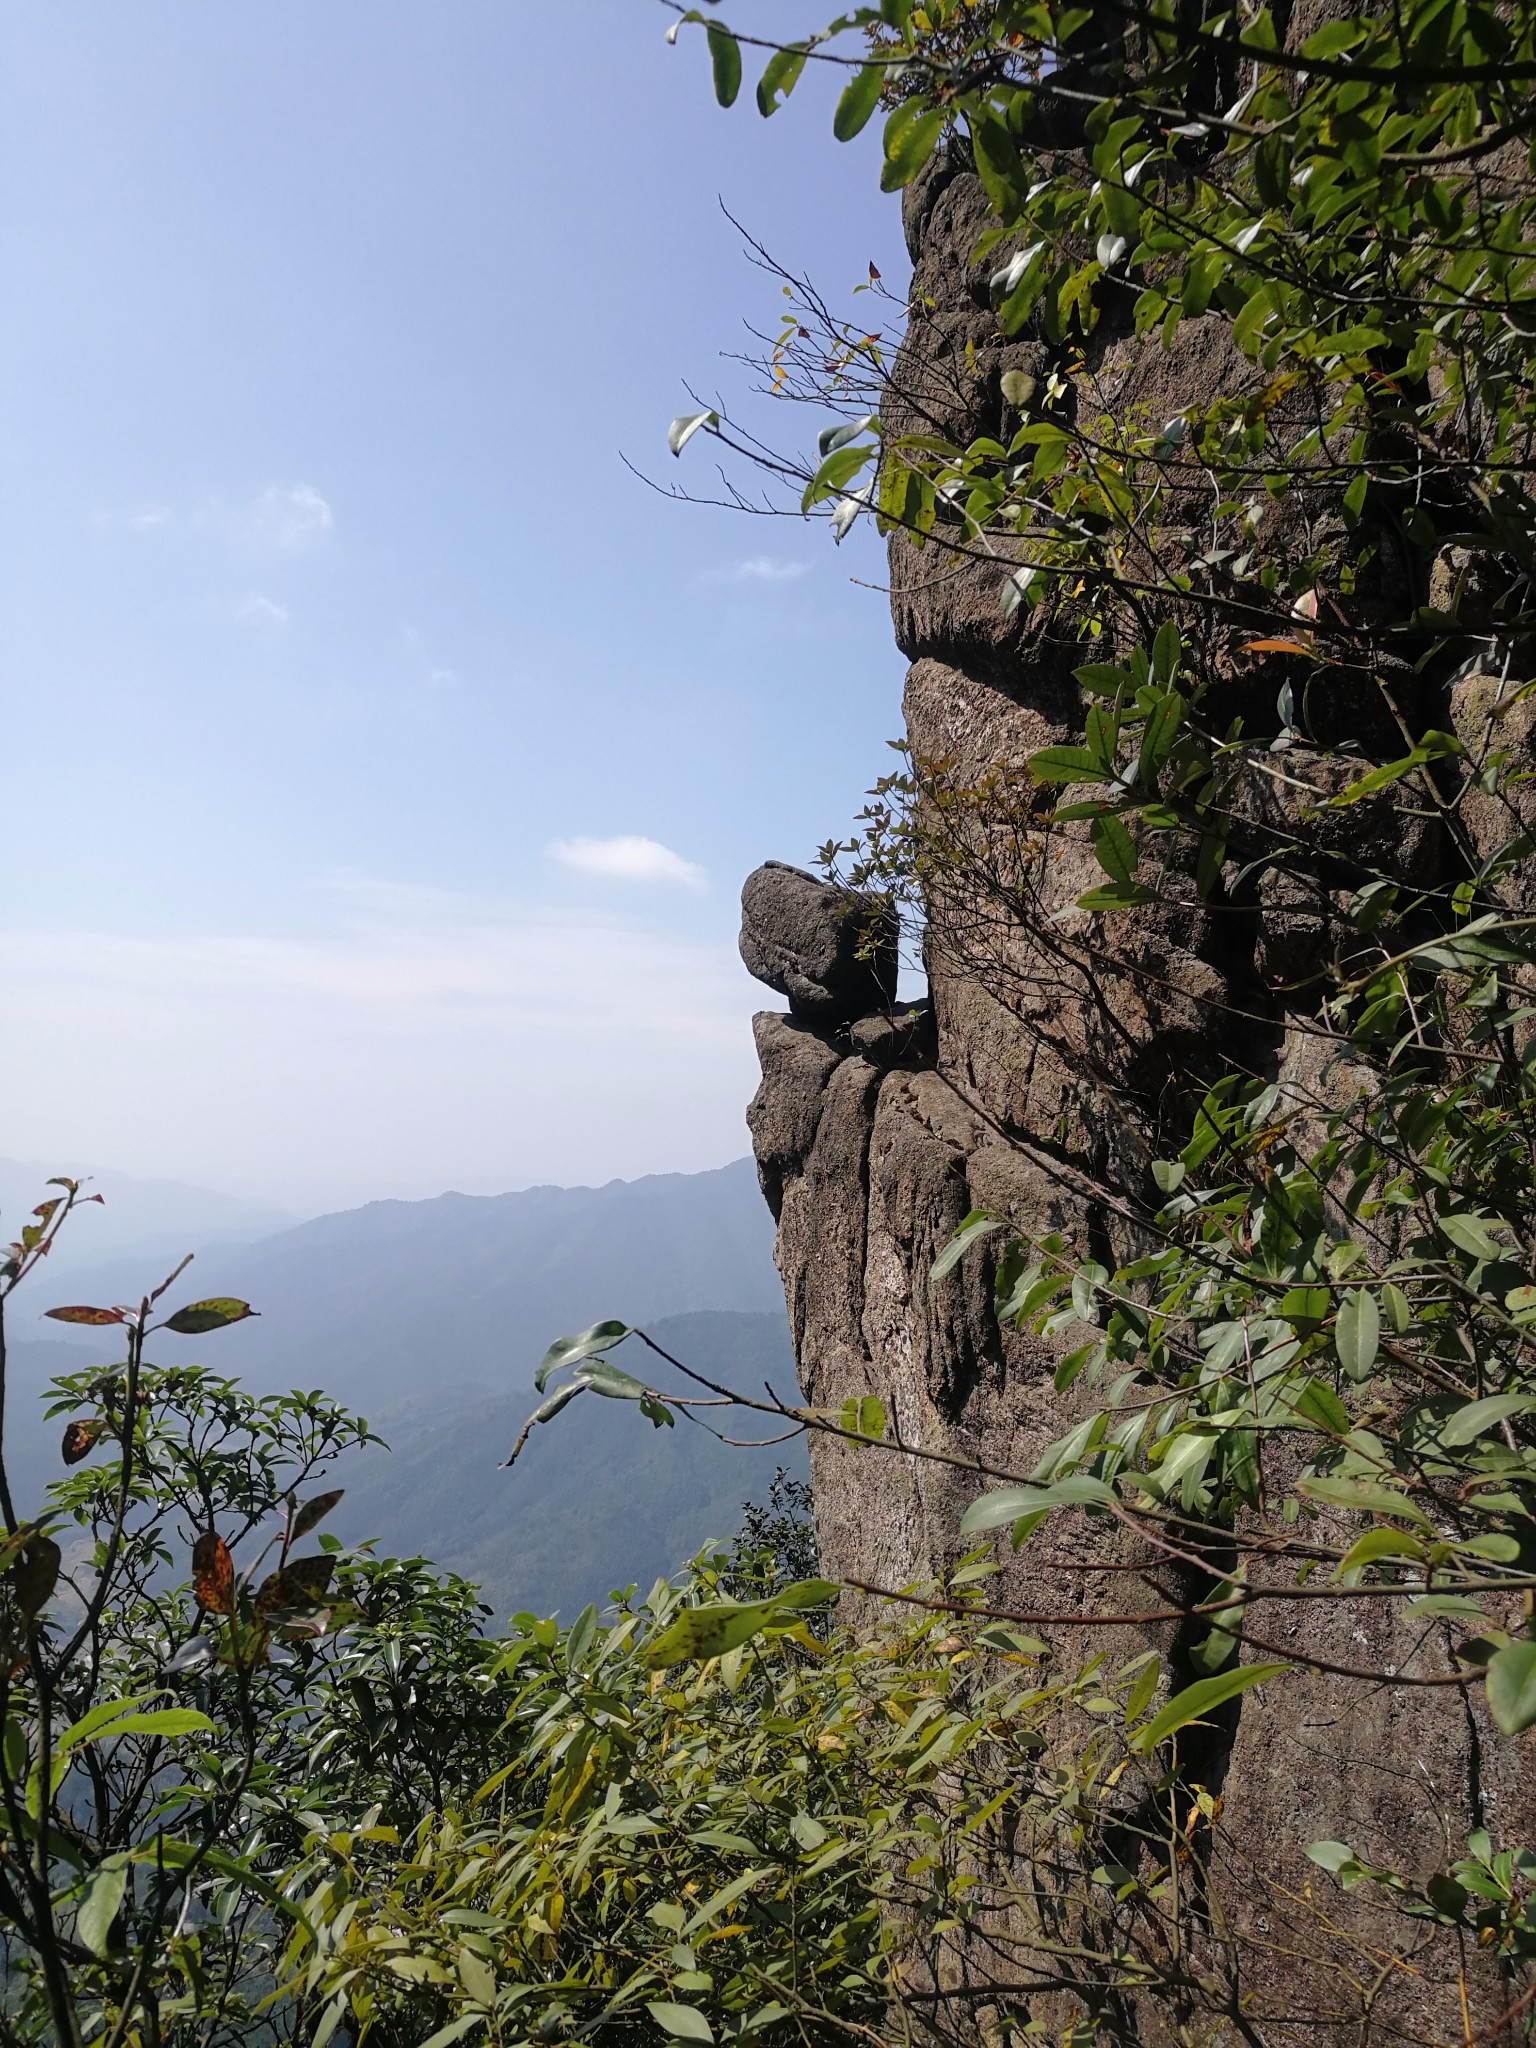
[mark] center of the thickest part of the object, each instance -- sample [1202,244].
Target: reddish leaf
[874,275]
[94,1316]
[36,1573]
[80,1439]
[213,1314]
[213,1574]
[1276,647]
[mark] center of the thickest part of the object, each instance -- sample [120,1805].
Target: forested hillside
[429,1319]
[386,1303]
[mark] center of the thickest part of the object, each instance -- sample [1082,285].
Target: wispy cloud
[292,517]
[627,858]
[509,1043]
[142,519]
[261,614]
[758,569]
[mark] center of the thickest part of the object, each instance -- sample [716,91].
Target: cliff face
[1039,1089]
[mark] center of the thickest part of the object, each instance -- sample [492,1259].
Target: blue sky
[339,644]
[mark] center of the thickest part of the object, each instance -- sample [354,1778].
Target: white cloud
[627,858]
[292,517]
[262,614]
[148,517]
[759,569]
[411,1040]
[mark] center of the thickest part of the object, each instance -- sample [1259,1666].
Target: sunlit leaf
[586,1344]
[686,425]
[682,2022]
[213,1574]
[1201,1698]
[1512,1687]
[100,1903]
[198,1317]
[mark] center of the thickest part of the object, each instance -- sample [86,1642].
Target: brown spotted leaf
[94,1316]
[81,1438]
[35,1574]
[213,1574]
[199,1317]
[299,1588]
[314,1511]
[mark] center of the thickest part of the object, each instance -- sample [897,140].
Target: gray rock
[831,954]
[907,1037]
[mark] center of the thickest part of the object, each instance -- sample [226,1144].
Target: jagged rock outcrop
[1037,1090]
[832,954]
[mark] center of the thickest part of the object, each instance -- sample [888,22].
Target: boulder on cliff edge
[830,952]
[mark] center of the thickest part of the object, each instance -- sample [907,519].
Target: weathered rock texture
[831,954]
[1036,1089]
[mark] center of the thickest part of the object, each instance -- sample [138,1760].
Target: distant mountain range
[430,1318]
[147,1222]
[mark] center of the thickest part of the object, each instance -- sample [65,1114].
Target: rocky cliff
[1049,1065]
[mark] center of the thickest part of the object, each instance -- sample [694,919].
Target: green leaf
[843,432]
[698,1634]
[1202,1697]
[1066,764]
[1360,1494]
[1321,1405]
[1114,848]
[571,1350]
[1469,1234]
[198,1317]
[98,1908]
[1469,1423]
[1357,1333]
[682,2022]
[1010,1503]
[725,62]
[864,1416]
[1512,1687]
[1166,649]
[805,1593]
[607,1380]
[1116,896]
[911,134]
[1331,1856]
[838,468]
[124,1717]
[1379,1543]
[972,1228]
[859,99]
[780,75]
